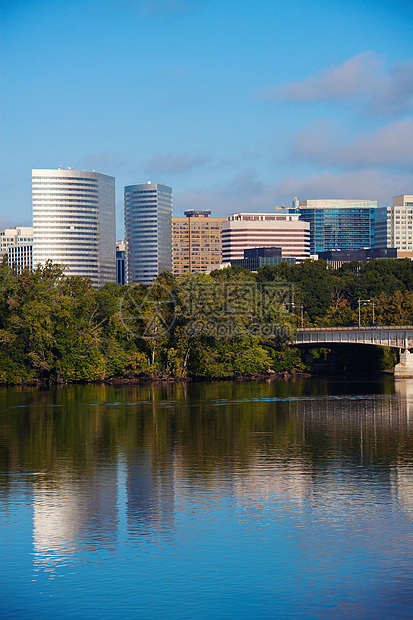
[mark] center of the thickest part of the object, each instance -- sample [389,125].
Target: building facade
[336,258]
[395,225]
[196,241]
[382,214]
[258,257]
[148,231]
[338,224]
[17,243]
[74,222]
[20,256]
[242,231]
[121,262]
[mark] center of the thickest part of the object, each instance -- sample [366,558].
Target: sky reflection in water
[280,500]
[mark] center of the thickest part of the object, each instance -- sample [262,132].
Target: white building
[148,231]
[20,256]
[17,242]
[15,234]
[242,231]
[74,222]
[397,225]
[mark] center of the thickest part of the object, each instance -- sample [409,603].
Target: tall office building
[338,224]
[242,231]
[196,241]
[148,231]
[74,222]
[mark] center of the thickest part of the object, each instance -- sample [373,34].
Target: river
[208,500]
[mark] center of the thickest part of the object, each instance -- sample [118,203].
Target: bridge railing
[356,328]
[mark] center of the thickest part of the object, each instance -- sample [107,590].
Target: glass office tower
[148,231]
[339,224]
[74,222]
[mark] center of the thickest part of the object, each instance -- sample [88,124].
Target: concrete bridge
[387,336]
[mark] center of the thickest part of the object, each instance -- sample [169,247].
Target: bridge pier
[404,369]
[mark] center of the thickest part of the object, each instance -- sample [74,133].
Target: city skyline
[237,106]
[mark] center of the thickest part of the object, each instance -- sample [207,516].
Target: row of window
[40,202]
[59,180]
[16,240]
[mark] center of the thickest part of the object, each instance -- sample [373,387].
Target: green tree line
[56,328]
[233,322]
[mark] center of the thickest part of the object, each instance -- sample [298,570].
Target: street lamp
[363,301]
[302,312]
[302,316]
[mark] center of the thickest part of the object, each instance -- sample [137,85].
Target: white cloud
[174,163]
[387,147]
[363,78]
[256,196]
[103,161]
[359,184]
[243,192]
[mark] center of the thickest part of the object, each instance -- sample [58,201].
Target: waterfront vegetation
[55,328]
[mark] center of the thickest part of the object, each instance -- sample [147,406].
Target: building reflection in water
[150,495]
[342,452]
[73,513]
[402,471]
[329,451]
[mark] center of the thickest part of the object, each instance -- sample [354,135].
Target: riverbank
[270,375]
[162,378]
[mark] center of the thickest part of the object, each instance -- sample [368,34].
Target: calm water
[212,500]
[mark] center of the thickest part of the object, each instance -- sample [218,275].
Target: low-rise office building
[242,231]
[13,235]
[20,256]
[258,257]
[17,243]
[336,258]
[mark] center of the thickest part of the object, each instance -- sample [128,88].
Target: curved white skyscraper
[74,222]
[148,231]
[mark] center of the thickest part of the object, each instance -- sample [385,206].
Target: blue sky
[237,105]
